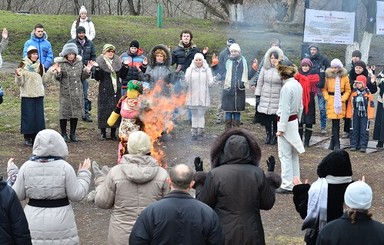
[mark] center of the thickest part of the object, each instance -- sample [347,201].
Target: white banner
[380,18]
[329,27]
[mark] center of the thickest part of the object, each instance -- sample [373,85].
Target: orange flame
[158,114]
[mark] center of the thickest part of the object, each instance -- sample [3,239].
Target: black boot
[301,132]
[336,133]
[103,134]
[28,140]
[63,128]
[331,144]
[113,134]
[268,133]
[73,126]
[273,133]
[228,124]
[236,123]
[307,138]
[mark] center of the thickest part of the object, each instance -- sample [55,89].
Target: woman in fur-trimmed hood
[107,73]
[158,69]
[336,92]
[267,90]
[235,158]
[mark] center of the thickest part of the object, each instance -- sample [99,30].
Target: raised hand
[205,50]
[4,34]
[86,164]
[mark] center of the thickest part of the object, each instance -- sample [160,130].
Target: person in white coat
[49,183]
[288,115]
[198,78]
[86,22]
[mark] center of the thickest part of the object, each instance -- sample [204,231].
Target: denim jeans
[235,116]
[322,109]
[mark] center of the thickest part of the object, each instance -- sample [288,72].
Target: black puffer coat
[184,56]
[237,188]
[13,224]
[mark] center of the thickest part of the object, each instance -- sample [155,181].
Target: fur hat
[361,64]
[235,46]
[31,50]
[362,79]
[80,29]
[336,63]
[275,41]
[356,53]
[358,195]
[336,163]
[286,69]
[69,48]
[107,47]
[139,143]
[230,41]
[82,10]
[307,62]
[135,44]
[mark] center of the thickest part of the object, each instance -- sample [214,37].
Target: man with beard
[87,52]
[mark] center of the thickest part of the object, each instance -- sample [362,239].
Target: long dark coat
[237,189]
[233,98]
[71,79]
[108,97]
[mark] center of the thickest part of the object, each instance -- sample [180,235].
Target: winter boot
[268,133]
[337,139]
[113,134]
[307,137]
[379,144]
[200,132]
[103,134]
[331,144]
[228,124]
[194,133]
[73,126]
[301,132]
[273,133]
[63,128]
[28,140]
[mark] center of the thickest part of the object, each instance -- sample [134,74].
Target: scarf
[337,98]
[318,198]
[359,103]
[113,73]
[228,67]
[32,66]
[305,84]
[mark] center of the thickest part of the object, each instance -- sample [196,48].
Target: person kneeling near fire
[128,108]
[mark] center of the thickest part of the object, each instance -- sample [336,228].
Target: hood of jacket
[341,73]
[34,38]
[48,142]
[139,169]
[152,56]
[235,146]
[267,61]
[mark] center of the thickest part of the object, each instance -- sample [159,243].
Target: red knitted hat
[362,79]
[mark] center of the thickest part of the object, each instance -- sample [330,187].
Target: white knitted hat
[235,46]
[358,195]
[139,143]
[82,10]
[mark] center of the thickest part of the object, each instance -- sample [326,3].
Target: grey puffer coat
[47,176]
[269,84]
[71,77]
[127,189]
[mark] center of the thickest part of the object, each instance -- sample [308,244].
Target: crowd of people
[153,206]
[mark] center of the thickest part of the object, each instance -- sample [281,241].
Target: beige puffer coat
[128,188]
[51,178]
[269,84]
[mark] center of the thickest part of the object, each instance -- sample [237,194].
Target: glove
[198,164]
[255,65]
[215,60]
[113,118]
[271,163]
[96,169]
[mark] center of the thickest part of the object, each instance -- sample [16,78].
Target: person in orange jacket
[361,109]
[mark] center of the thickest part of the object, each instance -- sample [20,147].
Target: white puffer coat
[51,178]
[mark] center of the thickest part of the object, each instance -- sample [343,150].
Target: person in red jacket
[308,78]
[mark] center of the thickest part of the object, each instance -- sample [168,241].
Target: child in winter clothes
[361,109]
[308,79]
[198,77]
[336,92]
[134,65]
[128,109]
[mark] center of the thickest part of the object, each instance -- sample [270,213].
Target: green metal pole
[159,15]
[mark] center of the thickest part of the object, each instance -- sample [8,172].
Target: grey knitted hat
[69,48]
